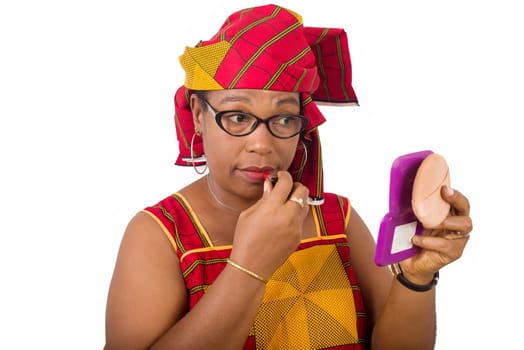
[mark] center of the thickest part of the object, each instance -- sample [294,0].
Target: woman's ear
[197,110]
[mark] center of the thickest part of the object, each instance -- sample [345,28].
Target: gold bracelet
[250,273]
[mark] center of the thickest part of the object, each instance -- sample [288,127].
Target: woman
[235,260]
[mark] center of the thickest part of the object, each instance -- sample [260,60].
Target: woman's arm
[402,318]
[147,302]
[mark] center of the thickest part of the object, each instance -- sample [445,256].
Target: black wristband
[417,287]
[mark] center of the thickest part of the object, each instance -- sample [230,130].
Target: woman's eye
[285,120]
[237,118]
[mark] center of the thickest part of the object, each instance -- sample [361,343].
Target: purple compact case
[400,224]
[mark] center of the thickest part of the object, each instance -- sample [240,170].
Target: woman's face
[237,164]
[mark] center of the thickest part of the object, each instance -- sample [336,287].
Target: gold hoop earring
[193,160]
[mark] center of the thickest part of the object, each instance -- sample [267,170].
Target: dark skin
[147,302]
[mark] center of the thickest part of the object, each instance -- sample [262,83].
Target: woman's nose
[260,140]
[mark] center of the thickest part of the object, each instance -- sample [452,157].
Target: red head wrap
[268,48]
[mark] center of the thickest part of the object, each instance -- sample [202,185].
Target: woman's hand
[442,244]
[270,230]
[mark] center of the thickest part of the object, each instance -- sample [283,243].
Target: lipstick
[272,178]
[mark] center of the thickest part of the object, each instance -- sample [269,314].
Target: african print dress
[311,302]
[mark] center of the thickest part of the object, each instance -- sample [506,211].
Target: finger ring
[457,235]
[299,201]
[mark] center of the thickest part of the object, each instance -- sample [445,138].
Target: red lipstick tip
[272,178]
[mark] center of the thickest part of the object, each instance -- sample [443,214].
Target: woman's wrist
[415,283]
[247,271]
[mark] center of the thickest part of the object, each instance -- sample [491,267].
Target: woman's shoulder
[333,212]
[169,201]
[333,196]
[336,200]
[175,199]
[173,203]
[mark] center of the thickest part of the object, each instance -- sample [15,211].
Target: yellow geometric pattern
[201,64]
[308,303]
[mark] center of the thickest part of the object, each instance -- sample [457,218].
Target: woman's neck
[219,201]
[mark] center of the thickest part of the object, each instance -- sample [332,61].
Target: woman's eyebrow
[234,98]
[247,100]
[289,100]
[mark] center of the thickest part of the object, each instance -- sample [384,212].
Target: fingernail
[449,190]
[266,186]
[415,239]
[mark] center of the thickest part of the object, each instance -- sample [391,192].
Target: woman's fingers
[460,224]
[458,220]
[283,187]
[459,203]
[298,197]
[449,247]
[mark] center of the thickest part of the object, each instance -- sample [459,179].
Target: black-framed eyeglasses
[240,123]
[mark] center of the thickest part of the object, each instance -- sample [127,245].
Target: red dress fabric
[312,301]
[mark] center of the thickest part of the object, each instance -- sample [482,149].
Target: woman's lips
[257,174]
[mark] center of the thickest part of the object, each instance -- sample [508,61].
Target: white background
[87,138]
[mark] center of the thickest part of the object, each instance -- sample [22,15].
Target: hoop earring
[193,160]
[303,163]
[305,156]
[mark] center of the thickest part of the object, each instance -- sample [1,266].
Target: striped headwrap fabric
[268,48]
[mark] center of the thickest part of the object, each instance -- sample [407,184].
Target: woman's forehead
[255,96]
